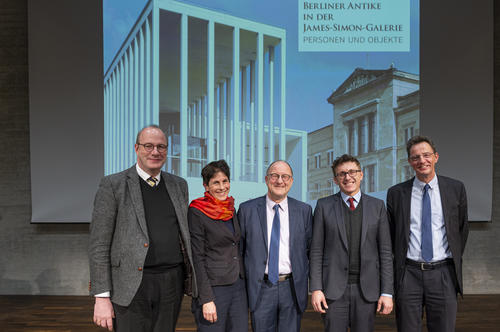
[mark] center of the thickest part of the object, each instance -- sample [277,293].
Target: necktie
[151,181]
[274,248]
[351,203]
[426,226]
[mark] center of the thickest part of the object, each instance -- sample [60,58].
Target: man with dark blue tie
[276,234]
[429,228]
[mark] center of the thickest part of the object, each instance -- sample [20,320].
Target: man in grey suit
[139,246]
[351,260]
[429,228]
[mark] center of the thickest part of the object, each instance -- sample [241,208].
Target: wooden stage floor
[477,313]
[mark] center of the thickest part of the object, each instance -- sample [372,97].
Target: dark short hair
[213,168]
[419,139]
[278,161]
[345,158]
[144,128]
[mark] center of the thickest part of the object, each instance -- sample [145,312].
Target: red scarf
[213,208]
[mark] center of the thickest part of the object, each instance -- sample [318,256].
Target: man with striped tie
[139,245]
[351,261]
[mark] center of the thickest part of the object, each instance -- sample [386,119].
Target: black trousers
[351,310]
[232,309]
[156,305]
[433,290]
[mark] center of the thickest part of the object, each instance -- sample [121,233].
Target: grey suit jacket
[456,222]
[119,236]
[329,249]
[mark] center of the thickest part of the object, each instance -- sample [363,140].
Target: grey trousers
[350,310]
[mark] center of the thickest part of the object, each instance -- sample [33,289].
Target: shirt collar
[420,184]
[356,197]
[145,176]
[270,203]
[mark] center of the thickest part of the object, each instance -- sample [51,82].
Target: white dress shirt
[356,197]
[145,176]
[284,264]
[440,247]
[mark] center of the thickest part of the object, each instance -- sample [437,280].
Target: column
[184,94]
[244,121]
[228,127]
[260,106]
[210,90]
[236,140]
[271,104]
[252,119]
[282,149]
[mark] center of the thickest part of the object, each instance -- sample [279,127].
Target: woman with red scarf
[221,304]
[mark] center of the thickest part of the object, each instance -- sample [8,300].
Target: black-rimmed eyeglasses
[352,173]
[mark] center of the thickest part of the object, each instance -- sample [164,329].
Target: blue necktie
[274,248]
[426,226]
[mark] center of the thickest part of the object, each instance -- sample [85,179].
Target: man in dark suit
[429,228]
[139,246]
[275,238]
[351,259]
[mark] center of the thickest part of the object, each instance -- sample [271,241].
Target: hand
[318,301]
[104,313]
[384,305]
[210,312]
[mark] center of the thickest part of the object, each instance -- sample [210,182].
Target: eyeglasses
[150,147]
[426,155]
[352,173]
[274,177]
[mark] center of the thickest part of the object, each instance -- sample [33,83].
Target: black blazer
[216,254]
[454,203]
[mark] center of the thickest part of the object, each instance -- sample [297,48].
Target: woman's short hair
[213,168]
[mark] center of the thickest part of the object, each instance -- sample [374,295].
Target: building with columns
[319,164]
[216,84]
[374,113]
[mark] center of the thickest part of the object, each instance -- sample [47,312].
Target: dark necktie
[426,226]
[151,181]
[274,248]
[351,203]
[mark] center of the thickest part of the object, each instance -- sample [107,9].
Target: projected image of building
[215,84]
[375,112]
[319,161]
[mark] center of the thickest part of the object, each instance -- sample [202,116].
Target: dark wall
[52,259]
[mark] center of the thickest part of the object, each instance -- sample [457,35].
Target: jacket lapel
[339,217]
[236,224]
[136,196]
[293,223]
[406,201]
[444,203]
[364,221]
[261,210]
[176,197]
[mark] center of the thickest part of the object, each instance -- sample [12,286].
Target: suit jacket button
[140,268]
[146,245]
